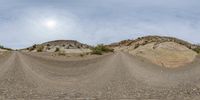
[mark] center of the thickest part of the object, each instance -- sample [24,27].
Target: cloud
[95,21]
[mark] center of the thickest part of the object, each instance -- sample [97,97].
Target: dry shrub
[100,49]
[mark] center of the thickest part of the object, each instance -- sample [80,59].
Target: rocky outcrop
[65,46]
[68,44]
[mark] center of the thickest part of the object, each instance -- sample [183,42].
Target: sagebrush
[100,49]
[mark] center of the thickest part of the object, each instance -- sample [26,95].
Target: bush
[136,46]
[1,47]
[40,48]
[100,49]
[48,45]
[197,49]
[97,51]
[81,55]
[61,54]
[32,48]
[57,50]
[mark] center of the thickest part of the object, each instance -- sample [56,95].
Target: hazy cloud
[97,21]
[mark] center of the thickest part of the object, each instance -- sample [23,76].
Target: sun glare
[50,24]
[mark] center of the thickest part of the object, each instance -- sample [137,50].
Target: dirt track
[115,76]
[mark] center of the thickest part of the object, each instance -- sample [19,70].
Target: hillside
[167,54]
[164,51]
[158,39]
[65,46]
[2,48]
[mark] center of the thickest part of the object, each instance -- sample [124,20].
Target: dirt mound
[149,39]
[167,54]
[165,51]
[64,46]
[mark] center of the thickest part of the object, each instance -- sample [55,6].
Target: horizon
[98,43]
[26,22]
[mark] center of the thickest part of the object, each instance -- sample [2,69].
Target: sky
[27,22]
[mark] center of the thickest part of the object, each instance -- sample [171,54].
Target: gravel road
[117,76]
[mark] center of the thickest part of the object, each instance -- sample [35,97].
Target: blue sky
[24,22]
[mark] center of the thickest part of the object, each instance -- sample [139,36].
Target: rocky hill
[158,39]
[66,46]
[165,51]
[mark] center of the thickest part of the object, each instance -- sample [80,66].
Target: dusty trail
[115,76]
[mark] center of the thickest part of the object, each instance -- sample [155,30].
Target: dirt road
[112,77]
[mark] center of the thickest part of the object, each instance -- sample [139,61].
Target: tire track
[6,63]
[14,84]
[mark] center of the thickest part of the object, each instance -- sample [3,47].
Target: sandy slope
[115,76]
[167,54]
[2,50]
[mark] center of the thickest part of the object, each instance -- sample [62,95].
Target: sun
[51,24]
